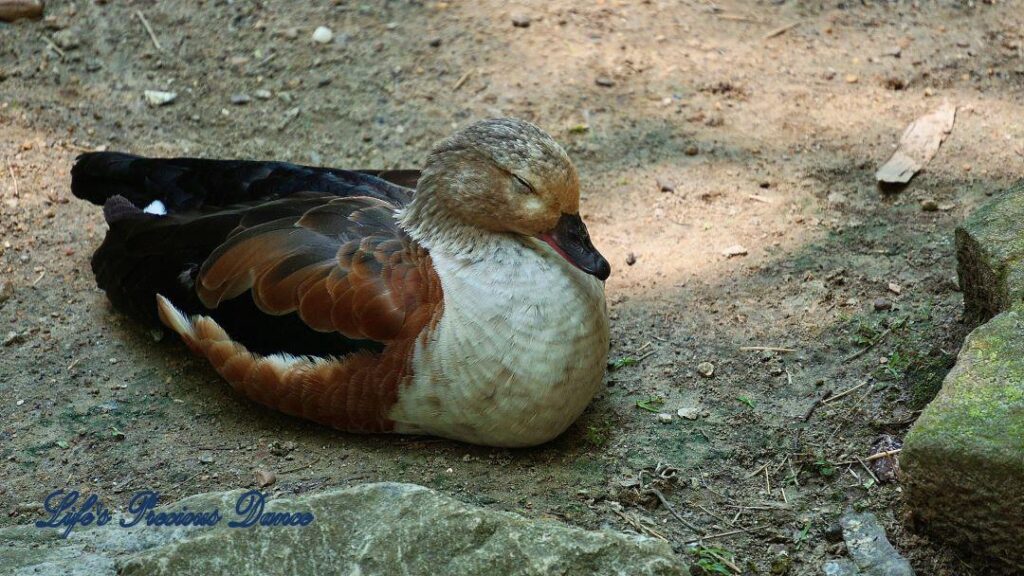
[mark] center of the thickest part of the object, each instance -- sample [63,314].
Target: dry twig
[149,29]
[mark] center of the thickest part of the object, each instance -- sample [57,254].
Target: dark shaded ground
[768,142]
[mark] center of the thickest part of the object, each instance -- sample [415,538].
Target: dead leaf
[918,145]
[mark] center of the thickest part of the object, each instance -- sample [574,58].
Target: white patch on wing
[156,207]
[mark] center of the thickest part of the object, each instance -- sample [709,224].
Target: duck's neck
[427,221]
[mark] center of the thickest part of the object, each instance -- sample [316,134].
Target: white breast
[519,352]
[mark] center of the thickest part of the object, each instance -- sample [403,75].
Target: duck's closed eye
[525,184]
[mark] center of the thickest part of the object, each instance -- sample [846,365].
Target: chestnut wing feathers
[342,265]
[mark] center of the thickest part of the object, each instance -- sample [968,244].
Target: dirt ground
[767,141]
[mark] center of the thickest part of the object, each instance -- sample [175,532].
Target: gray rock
[371,529]
[871,551]
[67,39]
[990,255]
[841,567]
[963,460]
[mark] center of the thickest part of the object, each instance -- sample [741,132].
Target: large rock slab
[964,458]
[371,529]
[990,255]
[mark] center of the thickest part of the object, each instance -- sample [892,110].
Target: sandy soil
[766,141]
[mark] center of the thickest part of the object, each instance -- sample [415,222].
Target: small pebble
[521,21]
[322,35]
[13,338]
[688,413]
[265,478]
[6,291]
[159,97]
[929,205]
[706,369]
[630,259]
[851,79]
[434,42]
[691,150]
[206,459]
[19,402]
[881,304]
[665,186]
[67,39]
[262,94]
[664,418]
[734,250]
[604,81]
[240,99]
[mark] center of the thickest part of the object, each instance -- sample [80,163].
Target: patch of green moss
[981,405]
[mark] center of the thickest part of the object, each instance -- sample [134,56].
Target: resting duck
[470,308]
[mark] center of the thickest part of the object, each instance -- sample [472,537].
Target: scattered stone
[882,304]
[278,449]
[691,150]
[604,81]
[265,478]
[13,338]
[630,259]
[665,186]
[322,35]
[706,369]
[869,548]
[734,250]
[851,79]
[6,291]
[664,418]
[929,205]
[263,94]
[434,42]
[159,98]
[990,255]
[962,460]
[365,529]
[690,412]
[895,288]
[521,21]
[240,99]
[67,39]
[206,459]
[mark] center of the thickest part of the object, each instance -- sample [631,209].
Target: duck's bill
[571,240]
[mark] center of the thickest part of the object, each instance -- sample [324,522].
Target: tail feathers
[337,392]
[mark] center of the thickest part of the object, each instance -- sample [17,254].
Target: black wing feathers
[189,183]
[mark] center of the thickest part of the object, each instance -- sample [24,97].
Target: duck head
[505,176]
